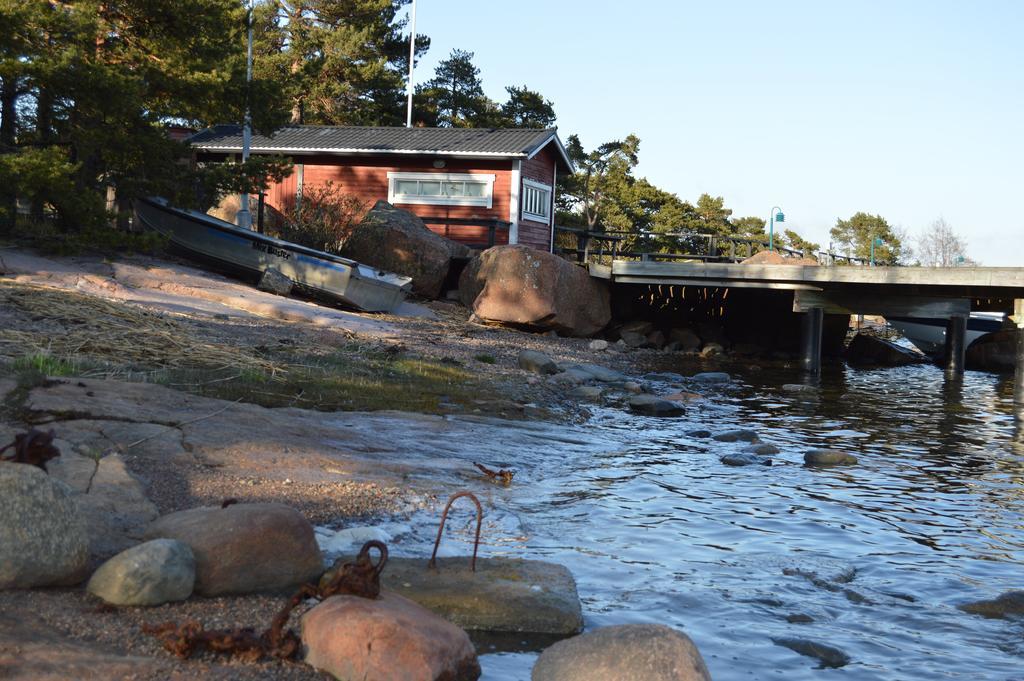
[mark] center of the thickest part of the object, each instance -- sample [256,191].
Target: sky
[910,109]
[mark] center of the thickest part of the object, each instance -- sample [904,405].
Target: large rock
[42,536]
[386,639]
[828,457]
[521,286]
[396,240]
[865,350]
[245,548]
[688,340]
[274,281]
[652,405]
[503,595]
[156,572]
[627,652]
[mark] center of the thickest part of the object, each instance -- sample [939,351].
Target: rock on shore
[627,652]
[42,537]
[398,241]
[156,572]
[245,548]
[387,638]
[521,286]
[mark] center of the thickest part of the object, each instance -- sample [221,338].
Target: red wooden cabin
[451,177]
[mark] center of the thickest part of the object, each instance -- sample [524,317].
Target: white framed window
[536,201]
[441,189]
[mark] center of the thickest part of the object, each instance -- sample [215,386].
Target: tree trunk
[8,137]
[44,134]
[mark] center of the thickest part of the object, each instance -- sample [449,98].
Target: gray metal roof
[331,139]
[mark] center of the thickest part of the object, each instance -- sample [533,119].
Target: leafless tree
[939,246]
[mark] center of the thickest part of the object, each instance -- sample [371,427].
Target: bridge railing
[604,246]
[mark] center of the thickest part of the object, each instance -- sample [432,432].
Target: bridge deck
[972,282]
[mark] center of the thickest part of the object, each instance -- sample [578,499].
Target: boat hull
[929,335]
[249,254]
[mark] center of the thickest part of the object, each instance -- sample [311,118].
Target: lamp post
[875,241]
[244,217]
[776,216]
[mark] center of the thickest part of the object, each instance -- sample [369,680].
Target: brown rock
[994,352]
[398,241]
[387,638]
[687,339]
[245,548]
[524,287]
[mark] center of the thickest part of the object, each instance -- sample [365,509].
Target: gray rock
[42,537]
[741,459]
[598,344]
[591,393]
[632,387]
[245,548]
[799,388]
[664,376]
[829,657]
[711,349]
[503,595]
[537,362]
[656,339]
[1008,603]
[673,346]
[627,652]
[828,457]
[158,571]
[570,376]
[799,618]
[699,433]
[599,373]
[273,281]
[712,377]
[740,435]
[633,339]
[687,339]
[650,405]
[639,326]
[761,449]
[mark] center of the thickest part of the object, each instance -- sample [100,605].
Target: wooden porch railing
[453,227]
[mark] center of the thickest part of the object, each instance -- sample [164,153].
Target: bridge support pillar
[810,341]
[956,347]
[1018,376]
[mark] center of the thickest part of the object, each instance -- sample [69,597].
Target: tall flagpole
[412,58]
[244,217]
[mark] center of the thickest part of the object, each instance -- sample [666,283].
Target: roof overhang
[562,153]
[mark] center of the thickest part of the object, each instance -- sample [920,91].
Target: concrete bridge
[923,292]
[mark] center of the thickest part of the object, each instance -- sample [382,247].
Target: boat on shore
[249,254]
[929,334]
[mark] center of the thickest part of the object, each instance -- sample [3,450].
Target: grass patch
[343,381]
[42,364]
[485,359]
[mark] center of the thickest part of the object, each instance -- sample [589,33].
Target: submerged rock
[745,460]
[587,392]
[156,572]
[712,377]
[651,405]
[626,652]
[739,435]
[503,595]
[1006,604]
[537,362]
[761,449]
[598,373]
[828,656]
[828,457]
[245,548]
[42,537]
[389,637]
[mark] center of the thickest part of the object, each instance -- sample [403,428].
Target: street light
[776,216]
[877,241]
